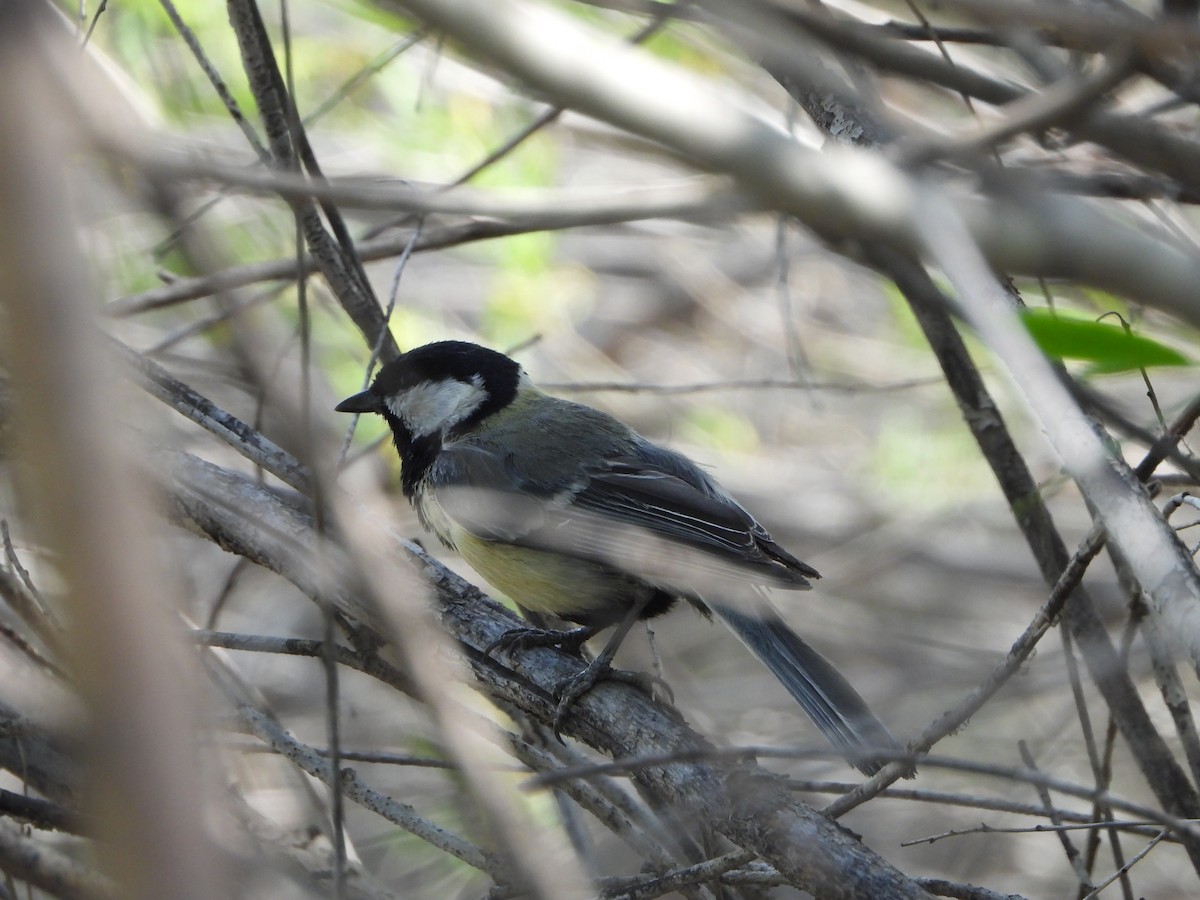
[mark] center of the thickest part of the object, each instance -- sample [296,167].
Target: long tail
[824,694]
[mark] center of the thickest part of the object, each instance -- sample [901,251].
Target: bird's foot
[576,686]
[570,641]
[600,669]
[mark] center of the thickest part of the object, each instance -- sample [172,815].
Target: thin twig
[1069,848]
[1129,825]
[368,664]
[951,720]
[646,886]
[269,731]
[1186,828]
[217,82]
[199,409]
[1124,869]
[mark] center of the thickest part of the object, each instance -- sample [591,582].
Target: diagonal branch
[336,259]
[750,806]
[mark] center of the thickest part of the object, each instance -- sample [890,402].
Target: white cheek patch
[435,406]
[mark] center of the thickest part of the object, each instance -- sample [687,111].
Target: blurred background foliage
[799,377]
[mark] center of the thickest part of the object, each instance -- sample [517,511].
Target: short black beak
[366,402]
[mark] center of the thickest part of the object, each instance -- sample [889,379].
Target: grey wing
[722,536]
[655,516]
[478,488]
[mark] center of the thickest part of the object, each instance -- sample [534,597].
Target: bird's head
[438,390]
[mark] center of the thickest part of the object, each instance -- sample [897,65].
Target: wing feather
[676,532]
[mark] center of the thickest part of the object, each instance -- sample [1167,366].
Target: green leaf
[1110,348]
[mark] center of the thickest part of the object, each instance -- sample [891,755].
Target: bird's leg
[601,668]
[570,640]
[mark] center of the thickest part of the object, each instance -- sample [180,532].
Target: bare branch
[355,789]
[839,193]
[23,857]
[337,260]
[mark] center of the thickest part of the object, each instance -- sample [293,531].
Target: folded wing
[630,513]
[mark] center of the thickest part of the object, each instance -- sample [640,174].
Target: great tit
[574,515]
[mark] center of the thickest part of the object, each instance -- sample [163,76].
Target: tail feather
[824,694]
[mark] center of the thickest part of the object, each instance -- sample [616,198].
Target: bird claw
[571,689]
[570,641]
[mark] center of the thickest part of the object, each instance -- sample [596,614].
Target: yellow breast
[538,580]
[549,583]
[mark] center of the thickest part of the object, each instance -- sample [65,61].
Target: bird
[574,515]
